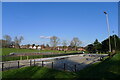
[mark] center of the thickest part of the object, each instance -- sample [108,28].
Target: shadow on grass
[36,73]
[106,70]
[25,72]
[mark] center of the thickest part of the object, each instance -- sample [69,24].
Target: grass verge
[108,69]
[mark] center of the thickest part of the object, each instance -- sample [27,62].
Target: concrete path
[72,62]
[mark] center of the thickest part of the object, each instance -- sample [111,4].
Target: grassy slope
[109,68]
[105,70]
[36,72]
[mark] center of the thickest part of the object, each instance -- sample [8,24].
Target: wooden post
[42,63]
[30,62]
[64,66]
[2,66]
[52,65]
[27,57]
[20,57]
[75,67]
[34,62]
[18,64]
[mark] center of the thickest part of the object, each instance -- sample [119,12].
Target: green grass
[37,72]
[6,51]
[34,56]
[109,69]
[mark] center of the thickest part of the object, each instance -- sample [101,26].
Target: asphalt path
[68,63]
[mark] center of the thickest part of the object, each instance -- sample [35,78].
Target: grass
[34,56]
[108,69]
[6,51]
[37,72]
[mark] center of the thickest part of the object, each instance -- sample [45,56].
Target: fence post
[34,62]
[42,63]
[64,66]
[52,65]
[75,67]
[20,57]
[2,66]
[27,57]
[30,63]
[18,64]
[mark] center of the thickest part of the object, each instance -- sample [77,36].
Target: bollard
[64,66]
[2,66]
[75,67]
[34,62]
[42,63]
[30,62]
[52,65]
[18,64]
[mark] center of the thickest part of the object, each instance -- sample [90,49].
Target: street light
[108,30]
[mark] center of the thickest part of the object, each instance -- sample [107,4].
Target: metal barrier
[60,64]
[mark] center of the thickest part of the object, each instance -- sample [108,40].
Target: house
[23,46]
[38,47]
[35,47]
[30,47]
[81,49]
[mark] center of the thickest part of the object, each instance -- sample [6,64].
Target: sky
[37,21]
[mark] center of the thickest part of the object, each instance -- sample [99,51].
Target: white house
[39,47]
[34,47]
[30,47]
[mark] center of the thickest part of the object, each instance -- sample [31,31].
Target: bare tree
[8,40]
[18,41]
[64,43]
[54,41]
[75,42]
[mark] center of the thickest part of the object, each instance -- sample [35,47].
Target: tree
[33,45]
[64,43]
[54,41]
[8,40]
[105,43]
[47,45]
[75,42]
[96,42]
[97,46]
[18,41]
[90,48]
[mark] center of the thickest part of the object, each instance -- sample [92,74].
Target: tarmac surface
[67,63]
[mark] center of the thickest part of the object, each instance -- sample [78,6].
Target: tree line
[54,42]
[7,41]
[75,42]
[103,46]
[96,46]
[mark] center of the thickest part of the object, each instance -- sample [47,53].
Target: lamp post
[108,30]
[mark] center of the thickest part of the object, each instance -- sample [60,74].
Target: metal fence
[60,64]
